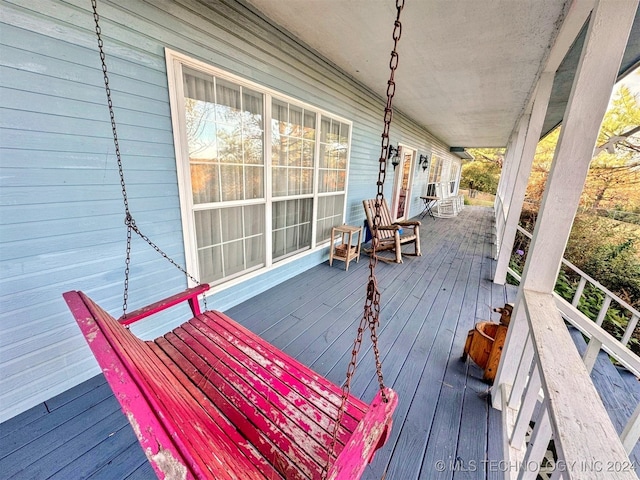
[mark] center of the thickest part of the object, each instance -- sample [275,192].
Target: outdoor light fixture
[393,156]
[424,161]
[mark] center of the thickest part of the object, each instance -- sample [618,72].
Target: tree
[483,173]
[613,180]
[614,176]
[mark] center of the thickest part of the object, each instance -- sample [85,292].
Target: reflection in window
[225,139]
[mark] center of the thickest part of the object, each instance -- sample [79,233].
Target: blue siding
[60,205]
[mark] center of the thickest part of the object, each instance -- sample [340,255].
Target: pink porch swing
[212,400]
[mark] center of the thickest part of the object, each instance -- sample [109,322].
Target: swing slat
[210,399]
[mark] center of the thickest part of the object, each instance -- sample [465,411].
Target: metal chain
[371,316]
[129,220]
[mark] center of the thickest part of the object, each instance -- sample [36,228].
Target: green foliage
[618,268]
[482,175]
[615,265]
[616,319]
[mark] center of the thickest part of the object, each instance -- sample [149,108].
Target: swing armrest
[370,434]
[190,294]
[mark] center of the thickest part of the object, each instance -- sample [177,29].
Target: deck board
[428,304]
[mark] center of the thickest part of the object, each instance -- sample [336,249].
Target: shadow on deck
[443,422]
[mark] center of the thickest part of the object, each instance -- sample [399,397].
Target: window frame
[175,61]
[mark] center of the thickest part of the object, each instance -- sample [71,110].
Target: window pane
[254,251]
[279,181]
[210,263]
[306,181]
[330,211]
[295,153]
[233,254]
[294,181]
[205,183]
[232,182]
[292,226]
[208,228]
[231,223]
[253,182]
[309,125]
[308,151]
[295,121]
[229,241]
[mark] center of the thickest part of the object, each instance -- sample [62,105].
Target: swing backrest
[212,400]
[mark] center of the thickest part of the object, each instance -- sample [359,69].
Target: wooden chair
[392,235]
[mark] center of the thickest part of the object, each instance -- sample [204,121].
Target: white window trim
[174,62]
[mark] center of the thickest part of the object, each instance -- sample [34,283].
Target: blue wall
[61,211]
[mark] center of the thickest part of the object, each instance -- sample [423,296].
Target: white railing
[521,403]
[553,392]
[609,296]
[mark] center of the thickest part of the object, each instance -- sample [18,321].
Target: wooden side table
[345,250]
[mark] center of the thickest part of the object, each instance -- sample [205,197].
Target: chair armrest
[191,294]
[370,434]
[389,227]
[409,223]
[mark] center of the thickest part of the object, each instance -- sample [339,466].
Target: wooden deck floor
[428,305]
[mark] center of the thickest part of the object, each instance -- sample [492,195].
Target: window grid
[223,128]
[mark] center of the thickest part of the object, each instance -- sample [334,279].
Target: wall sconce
[424,161]
[393,156]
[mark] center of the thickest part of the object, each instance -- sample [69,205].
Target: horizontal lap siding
[61,210]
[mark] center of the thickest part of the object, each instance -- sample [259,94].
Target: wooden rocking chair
[392,235]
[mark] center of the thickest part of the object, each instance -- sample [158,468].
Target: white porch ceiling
[466,67]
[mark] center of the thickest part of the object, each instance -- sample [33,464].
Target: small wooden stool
[345,251]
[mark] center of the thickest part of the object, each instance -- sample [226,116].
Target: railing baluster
[603,310]
[631,432]
[522,374]
[538,445]
[579,290]
[526,407]
[591,354]
[631,326]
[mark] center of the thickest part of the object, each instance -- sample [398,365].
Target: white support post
[505,165]
[597,70]
[602,52]
[536,121]
[523,126]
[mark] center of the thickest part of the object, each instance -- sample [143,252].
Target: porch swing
[212,400]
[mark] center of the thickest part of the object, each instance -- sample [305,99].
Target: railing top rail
[610,344]
[580,423]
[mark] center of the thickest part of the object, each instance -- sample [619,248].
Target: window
[262,177]
[453,178]
[435,175]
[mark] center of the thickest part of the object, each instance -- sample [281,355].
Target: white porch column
[499,203]
[602,52]
[533,129]
[516,158]
[507,178]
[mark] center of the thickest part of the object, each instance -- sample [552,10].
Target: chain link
[129,221]
[371,316]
